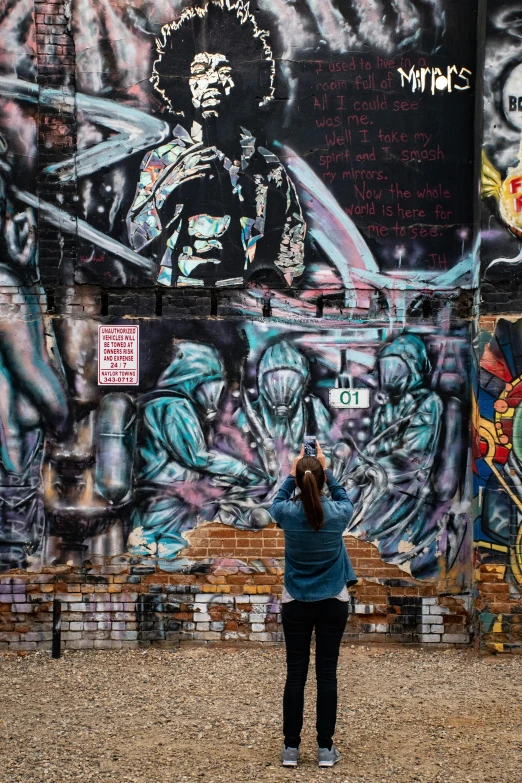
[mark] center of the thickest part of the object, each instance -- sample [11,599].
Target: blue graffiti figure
[174,452]
[402,518]
[283,412]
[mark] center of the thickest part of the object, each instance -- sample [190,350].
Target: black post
[57,628]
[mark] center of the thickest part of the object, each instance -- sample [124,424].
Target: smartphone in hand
[310,447]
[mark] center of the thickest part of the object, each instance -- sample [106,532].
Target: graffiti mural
[235,176]
[496,435]
[498,455]
[417,469]
[33,398]
[215,423]
[219,144]
[290,163]
[33,402]
[501,158]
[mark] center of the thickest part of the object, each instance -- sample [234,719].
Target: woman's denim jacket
[317,565]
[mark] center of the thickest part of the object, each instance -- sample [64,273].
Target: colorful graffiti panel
[498,447]
[221,410]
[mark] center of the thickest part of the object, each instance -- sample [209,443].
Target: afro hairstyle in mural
[207,29]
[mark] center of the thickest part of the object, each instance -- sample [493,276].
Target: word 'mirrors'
[432,79]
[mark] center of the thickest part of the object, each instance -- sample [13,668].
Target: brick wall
[227,595]
[499,609]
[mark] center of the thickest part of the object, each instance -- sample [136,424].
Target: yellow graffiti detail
[491,180]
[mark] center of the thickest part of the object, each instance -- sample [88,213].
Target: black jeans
[299,619]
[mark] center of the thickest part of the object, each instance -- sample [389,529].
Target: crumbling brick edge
[127,605]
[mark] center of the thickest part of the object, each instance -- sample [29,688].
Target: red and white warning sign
[118,355]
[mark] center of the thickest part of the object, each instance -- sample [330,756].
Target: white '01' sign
[349,398]
[118,355]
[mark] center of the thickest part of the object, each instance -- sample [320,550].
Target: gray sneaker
[289,756]
[327,758]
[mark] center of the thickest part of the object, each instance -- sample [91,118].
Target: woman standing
[315,595]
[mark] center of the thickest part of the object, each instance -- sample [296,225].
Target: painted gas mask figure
[32,398]
[174,451]
[214,203]
[406,427]
[394,375]
[283,412]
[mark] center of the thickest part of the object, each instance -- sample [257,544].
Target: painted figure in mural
[498,471]
[174,452]
[218,205]
[32,399]
[283,412]
[406,428]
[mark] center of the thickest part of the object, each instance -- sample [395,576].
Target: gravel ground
[214,715]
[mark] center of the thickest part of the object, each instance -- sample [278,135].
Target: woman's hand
[296,460]
[320,456]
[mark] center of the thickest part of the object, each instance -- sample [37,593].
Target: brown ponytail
[309,476]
